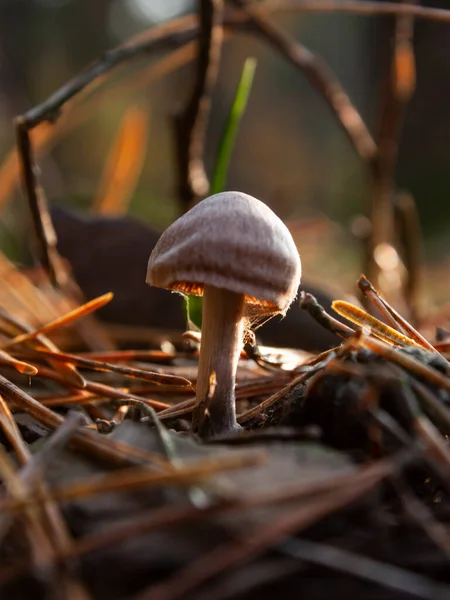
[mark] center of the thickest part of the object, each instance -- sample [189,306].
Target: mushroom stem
[222,335]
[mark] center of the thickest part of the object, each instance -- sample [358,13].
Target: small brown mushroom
[232,249]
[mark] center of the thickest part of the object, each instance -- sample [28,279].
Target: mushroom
[232,249]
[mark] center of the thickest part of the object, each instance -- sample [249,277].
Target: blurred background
[290,151]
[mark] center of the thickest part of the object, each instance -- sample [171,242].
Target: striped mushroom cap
[231,241]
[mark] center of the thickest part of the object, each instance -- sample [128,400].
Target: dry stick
[398,88]
[356,7]
[319,76]
[169,35]
[46,135]
[191,125]
[43,228]
[45,235]
[308,302]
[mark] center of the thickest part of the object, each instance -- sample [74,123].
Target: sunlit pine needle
[20,366]
[377,328]
[67,319]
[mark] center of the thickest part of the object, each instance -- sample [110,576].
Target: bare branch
[355,7]
[398,88]
[319,76]
[191,125]
[45,234]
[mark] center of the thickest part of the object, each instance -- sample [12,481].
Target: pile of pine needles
[338,486]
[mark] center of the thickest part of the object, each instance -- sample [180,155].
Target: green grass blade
[232,126]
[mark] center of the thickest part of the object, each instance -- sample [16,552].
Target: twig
[42,224]
[319,76]
[191,125]
[318,313]
[172,34]
[398,88]
[356,7]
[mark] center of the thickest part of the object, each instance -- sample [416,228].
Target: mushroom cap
[232,241]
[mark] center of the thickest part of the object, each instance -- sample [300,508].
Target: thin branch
[319,75]
[191,125]
[398,88]
[45,234]
[355,7]
[173,34]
